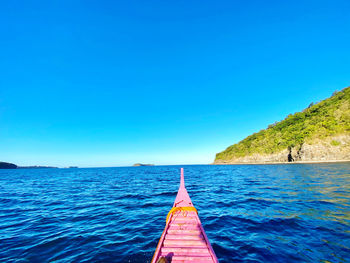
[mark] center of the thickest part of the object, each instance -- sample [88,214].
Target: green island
[319,133]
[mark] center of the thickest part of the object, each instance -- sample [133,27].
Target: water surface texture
[251,213]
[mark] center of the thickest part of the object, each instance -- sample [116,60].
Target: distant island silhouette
[5,165]
[143,164]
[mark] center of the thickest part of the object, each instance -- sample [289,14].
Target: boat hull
[184,239]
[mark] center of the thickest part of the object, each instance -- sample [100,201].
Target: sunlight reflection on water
[256,213]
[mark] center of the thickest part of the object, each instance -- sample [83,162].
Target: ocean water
[251,213]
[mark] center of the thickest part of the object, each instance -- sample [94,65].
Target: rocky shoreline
[296,162]
[331,149]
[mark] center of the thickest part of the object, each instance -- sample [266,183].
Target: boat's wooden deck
[184,240]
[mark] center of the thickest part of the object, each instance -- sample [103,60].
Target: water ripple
[251,213]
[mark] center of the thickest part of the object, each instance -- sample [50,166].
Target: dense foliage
[328,117]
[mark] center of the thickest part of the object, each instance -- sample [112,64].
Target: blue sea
[251,213]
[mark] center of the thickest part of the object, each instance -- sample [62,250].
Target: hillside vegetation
[325,119]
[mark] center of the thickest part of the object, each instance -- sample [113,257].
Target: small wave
[250,213]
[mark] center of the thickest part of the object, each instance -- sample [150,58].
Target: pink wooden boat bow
[184,239]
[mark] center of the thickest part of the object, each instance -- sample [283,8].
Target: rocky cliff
[320,133]
[332,149]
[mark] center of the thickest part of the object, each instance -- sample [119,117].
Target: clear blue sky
[109,83]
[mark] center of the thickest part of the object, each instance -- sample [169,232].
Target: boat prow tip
[184,236]
[182,180]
